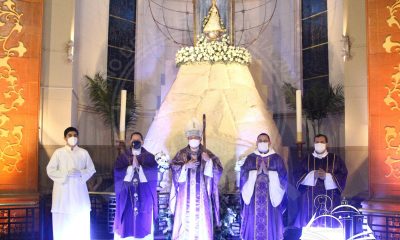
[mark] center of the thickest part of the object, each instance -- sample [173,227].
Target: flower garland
[213,52]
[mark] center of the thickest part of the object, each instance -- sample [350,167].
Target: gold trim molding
[392,97]
[393,149]
[392,46]
[12,94]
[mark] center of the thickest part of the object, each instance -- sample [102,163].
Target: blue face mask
[137,144]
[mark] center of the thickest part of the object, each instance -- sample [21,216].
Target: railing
[19,221]
[33,220]
[385,225]
[103,211]
[102,214]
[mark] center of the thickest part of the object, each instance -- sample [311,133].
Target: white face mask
[72,141]
[320,147]
[263,147]
[194,143]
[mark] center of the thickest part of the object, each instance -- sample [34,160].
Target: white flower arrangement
[162,160]
[213,52]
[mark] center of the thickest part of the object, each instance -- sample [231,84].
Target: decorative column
[383,32]
[20,59]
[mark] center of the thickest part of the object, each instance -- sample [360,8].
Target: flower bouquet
[162,160]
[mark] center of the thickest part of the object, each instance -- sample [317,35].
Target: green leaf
[318,102]
[105,101]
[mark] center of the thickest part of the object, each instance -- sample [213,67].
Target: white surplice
[70,200]
[311,178]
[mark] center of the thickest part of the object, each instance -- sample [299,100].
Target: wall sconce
[346,54]
[70,51]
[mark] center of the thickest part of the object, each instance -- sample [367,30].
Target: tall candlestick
[122,115]
[299,137]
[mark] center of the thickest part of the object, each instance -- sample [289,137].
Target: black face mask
[136,144]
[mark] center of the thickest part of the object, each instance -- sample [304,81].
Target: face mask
[136,144]
[194,143]
[72,141]
[263,147]
[319,147]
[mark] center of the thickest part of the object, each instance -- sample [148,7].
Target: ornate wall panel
[20,43]
[383,26]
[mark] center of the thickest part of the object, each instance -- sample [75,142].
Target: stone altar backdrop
[235,112]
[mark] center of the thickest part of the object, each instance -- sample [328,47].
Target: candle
[122,115]
[299,137]
[237,179]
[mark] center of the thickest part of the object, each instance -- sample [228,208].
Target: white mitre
[194,128]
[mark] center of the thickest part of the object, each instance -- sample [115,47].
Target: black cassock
[309,203]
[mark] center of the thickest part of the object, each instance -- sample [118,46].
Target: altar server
[70,167]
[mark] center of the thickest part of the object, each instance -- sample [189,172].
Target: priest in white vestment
[70,167]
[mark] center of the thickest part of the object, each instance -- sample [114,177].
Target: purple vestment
[136,202]
[261,220]
[194,198]
[332,164]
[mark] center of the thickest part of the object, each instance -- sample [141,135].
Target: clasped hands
[262,168]
[74,173]
[135,163]
[193,163]
[320,173]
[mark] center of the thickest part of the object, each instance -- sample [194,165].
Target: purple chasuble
[332,164]
[195,198]
[260,220]
[136,202]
